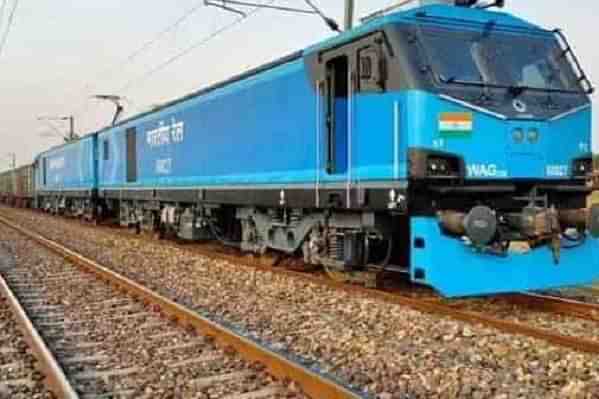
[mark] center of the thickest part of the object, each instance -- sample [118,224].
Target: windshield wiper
[455,80]
[517,90]
[514,90]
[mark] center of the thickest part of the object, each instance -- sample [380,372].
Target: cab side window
[371,69]
[106,150]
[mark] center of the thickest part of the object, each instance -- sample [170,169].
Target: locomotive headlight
[518,135]
[438,166]
[533,135]
[431,164]
[581,167]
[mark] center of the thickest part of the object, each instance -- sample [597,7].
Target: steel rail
[554,304]
[312,383]
[56,380]
[434,307]
[422,305]
[592,289]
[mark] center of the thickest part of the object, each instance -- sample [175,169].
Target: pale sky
[60,52]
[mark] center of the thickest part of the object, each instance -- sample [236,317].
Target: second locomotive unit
[448,142]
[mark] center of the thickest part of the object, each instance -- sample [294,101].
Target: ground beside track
[388,349]
[19,378]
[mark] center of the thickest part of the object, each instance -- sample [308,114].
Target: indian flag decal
[456,123]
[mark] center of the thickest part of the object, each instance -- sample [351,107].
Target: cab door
[354,75]
[337,114]
[353,117]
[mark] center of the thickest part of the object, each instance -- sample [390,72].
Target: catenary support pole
[349,14]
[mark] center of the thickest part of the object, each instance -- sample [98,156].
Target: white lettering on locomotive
[584,146]
[485,170]
[165,134]
[557,170]
[164,166]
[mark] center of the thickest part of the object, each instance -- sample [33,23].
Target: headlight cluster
[582,167]
[437,166]
[532,135]
[431,164]
[518,135]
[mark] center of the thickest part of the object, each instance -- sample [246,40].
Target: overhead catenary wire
[132,83]
[331,23]
[8,26]
[225,5]
[144,47]
[140,50]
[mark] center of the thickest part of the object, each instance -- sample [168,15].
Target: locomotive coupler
[479,225]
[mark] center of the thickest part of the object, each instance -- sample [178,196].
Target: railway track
[19,376]
[100,335]
[560,305]
[428,304]
[419,302]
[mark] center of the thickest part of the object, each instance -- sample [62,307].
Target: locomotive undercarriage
[67,206]
[340,241]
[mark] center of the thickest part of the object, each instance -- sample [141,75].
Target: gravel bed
[388,350]
[110,344]
[19,378]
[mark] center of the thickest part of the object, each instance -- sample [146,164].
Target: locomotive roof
[435,14]
[66,144]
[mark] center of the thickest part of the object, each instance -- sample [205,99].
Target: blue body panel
[68,167]
[254,132]
[455,269]
[490,151]
[225,137]
[271,122]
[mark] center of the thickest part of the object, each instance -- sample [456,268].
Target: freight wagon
[16,186]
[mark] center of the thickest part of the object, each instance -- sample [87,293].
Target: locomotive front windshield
[496,59]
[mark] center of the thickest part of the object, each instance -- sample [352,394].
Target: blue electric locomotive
[66,177]
[448,142]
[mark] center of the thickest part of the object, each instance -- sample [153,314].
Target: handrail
[567,49]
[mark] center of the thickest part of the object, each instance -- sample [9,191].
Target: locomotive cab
[498,122]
